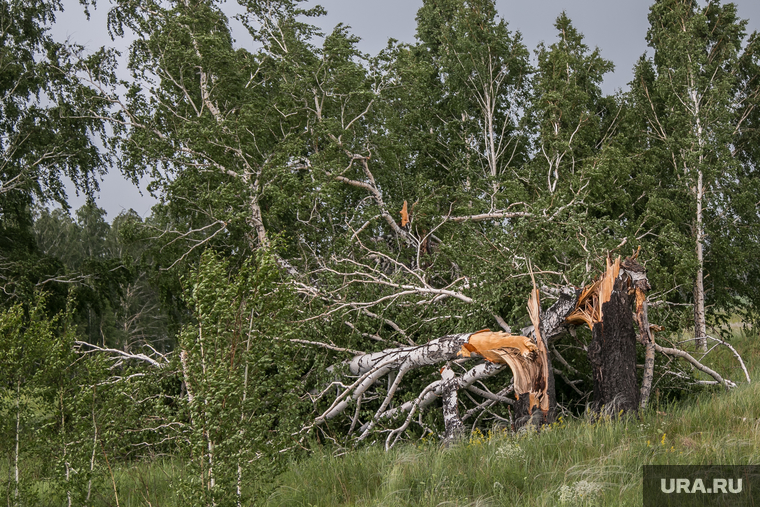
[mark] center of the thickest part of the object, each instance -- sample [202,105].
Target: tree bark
[532,376]
[612,353]
[454,428]
[552,327]
[18,435]
[647,340]
[641,286]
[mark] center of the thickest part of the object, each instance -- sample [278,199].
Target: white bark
[371,368]
[434,390]
[65,452]
[119,356]
[206,434]
[451,420]
[239,490]
[685,355]
[94,447]
[18,440]
[433,352]
[700,328]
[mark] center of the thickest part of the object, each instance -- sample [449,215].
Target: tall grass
[575,462]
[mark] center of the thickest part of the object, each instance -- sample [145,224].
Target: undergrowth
[578,461]
[575,462]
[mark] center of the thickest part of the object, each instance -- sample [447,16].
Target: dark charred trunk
[612,353]
[551,393]
[523,416]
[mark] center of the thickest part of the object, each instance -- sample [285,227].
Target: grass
[575,462]
[140,484]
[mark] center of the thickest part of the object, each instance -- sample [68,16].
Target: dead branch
[495,215]
[118,356]
[685,355]
[741,361]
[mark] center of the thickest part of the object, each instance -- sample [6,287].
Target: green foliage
[104,269]
[49,120]
[46,134]
[35,352]
[281,174]
[241,376]
[688,106]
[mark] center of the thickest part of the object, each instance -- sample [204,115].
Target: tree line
[318,204]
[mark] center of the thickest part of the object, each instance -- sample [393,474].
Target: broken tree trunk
[454,428]
[604,306]
[552,326]
[612,353]
[528,362]
[646,338]
[527,358]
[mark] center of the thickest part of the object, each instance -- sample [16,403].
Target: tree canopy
[317,203]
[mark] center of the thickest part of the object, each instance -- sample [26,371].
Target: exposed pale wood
[404,215]
[485,343]
[588,309]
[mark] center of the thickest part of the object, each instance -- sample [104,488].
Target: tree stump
[612,353]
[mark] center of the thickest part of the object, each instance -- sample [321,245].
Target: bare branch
[120,355]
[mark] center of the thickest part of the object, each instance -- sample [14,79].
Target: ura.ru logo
[698,486]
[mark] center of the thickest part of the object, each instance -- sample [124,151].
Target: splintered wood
[527,360]
[612,351]
[404,215]
[490,345]
[592,298]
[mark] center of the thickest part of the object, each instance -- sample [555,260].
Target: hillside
[575,462]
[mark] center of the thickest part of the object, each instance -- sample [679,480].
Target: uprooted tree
[605,306]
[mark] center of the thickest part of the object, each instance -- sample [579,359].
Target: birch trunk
[94,446]
[454,428]
[256,219]
[206,434]
[647,340]
[18,440]
[700,328]
[65,449]
[242,411]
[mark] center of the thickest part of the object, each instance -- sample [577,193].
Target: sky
[617,27]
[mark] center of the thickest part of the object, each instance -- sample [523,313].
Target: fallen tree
[606,306]
[468,359]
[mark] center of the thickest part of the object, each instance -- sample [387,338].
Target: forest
[356,251]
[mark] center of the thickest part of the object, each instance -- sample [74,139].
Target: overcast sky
[617,27]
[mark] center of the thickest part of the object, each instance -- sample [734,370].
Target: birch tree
[47,135]
[567,106]
[686,96]
[239,371]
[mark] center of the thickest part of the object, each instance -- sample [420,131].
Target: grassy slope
[576,462]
